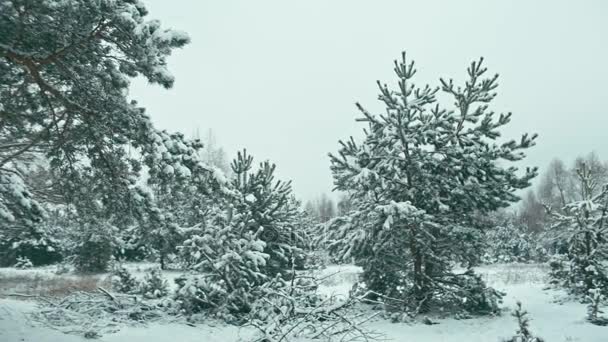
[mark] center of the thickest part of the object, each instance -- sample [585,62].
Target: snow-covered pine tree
[64,76]
[154,285]
[583,225]
[19,210]
[594,313]
[418,180]
[182,189]
[123,281]
[267,205]
[229,264]
[39,243]
[508,241]
[95,246]
[248,236]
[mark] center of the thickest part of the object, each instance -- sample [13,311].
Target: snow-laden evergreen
[65,70]
[418,179]
[154,285]
[94,246]
[88,180]
[582,227]
[523,321]
[123,281]
[254,233]
[508,241]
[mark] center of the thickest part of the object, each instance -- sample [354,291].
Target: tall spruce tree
[419,179]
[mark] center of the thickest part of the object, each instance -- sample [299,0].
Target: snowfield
[554,317]
[15,326]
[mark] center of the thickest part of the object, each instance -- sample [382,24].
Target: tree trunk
[418,275]
[429,268]
[162,260]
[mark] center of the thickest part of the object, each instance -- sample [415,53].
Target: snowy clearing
[118,225]
[553,316]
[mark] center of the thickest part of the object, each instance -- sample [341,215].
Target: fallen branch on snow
[95,314]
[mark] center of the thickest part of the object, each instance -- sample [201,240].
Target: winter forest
[438,224]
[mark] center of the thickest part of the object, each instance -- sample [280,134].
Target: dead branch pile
[293,310]
[94,314]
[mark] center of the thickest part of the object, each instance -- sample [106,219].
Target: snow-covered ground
[50,280]
[553,318]
[15,326]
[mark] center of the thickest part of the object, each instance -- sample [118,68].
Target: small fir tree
[233,264]
[595,300]
[509,242]
[95,247]
[255,232]
[583,229]
[523,333]
[123,281]
[154,285]
[266,207]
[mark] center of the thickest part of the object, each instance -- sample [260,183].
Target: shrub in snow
[523,333]
[509,243]
[197,294]
[154,285]
[123,281]
[194,294]
[579,273]
[63,268]
[595,299]
[280,296]
[233,263]
[475,296]
[558,273]
[23,263]
[91,335]
[95,247]
[582,224]
[37,244]
[419,179]
[132,247]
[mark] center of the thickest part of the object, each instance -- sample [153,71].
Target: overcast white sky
[281,77]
